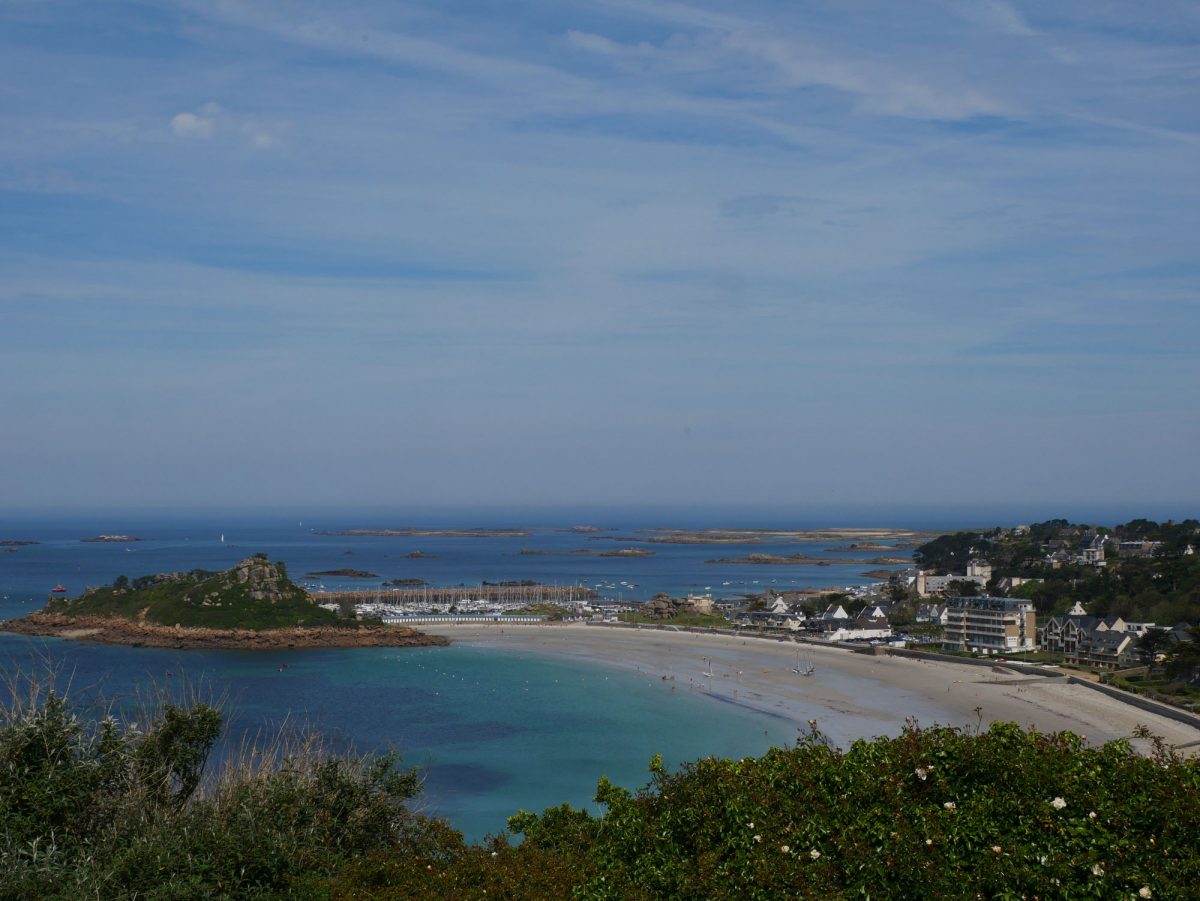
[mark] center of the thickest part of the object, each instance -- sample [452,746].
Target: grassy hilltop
[255,594]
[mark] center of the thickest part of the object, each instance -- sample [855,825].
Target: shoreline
[850,695]
[105,630]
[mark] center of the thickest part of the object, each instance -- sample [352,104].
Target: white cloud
[189,125]
[210,120]
[594,43]
[997,15]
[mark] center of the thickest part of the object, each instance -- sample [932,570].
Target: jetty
[431,595]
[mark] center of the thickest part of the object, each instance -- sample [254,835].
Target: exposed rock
[149,635]
[663,606]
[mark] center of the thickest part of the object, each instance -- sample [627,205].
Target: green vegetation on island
[255,594]
[137,809]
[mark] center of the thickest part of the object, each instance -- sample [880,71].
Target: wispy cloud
[211,120]
[827,217]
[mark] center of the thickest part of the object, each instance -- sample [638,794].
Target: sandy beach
[849,695]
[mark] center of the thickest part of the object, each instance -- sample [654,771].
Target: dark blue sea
[495,730]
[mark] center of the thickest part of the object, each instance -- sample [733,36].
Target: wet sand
[849,695]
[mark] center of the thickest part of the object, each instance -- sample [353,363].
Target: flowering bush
[937,813]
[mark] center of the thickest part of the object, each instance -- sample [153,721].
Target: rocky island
[429,533]
[110,539]
[253,606]
[343,573]
[804,559]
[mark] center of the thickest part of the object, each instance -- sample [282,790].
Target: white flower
[751,825]
[758,838]
[814,853]
[1042,860]
[1144,892]
[922,773]
[1058,803]
[996,849]
[1097,870]
[1092,815]
[950,805]
[929,841]
[785,849]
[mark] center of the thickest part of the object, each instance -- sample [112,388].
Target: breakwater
[498,594]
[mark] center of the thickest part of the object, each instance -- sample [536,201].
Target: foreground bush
[931,814]
[113,809]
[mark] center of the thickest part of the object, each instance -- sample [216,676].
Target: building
[1137,548]
[928,584]
[932,613]
[1092,551]
[1091,641]
[702,602]
[979,569]
[990,625]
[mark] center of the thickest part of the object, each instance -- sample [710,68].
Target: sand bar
[849,695]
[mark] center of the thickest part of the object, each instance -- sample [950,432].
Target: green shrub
[937,813]
[114,809]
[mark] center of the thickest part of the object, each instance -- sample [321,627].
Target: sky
[571,252]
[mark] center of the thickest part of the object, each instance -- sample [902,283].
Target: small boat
[803,669]
[58,589]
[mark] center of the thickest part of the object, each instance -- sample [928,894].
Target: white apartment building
[990,625]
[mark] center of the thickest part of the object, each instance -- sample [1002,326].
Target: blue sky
[611,252]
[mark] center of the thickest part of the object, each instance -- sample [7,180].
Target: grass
[124,806]
[701,620]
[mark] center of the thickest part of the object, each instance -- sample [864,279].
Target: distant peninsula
[861,537]
[343,573]
[805,560]
[110,539]
[253,606]
[11,542]
[587,552]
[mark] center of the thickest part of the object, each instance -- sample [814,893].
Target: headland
[253,606]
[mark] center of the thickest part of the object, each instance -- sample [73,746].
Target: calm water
[61,558]
[496,731]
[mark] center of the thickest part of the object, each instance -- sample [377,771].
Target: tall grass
[130,803]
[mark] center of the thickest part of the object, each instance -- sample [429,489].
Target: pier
[492,594]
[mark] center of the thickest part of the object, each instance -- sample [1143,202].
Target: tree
[1153,643]
[1184,661]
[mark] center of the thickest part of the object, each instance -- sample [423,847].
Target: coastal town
[1040,595]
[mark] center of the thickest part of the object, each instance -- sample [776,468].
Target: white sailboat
[801,668]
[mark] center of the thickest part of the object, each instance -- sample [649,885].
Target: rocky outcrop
[662,606]
[141,634]
[342,573]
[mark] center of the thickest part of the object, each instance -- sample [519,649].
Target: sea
[494,731]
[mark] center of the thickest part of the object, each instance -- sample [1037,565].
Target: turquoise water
[495,731]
